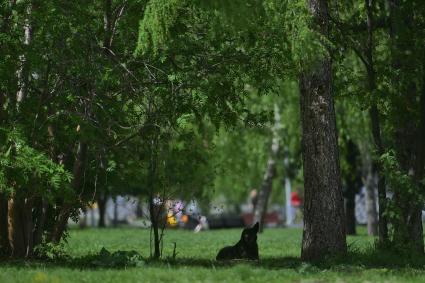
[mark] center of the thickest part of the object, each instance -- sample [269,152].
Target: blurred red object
[295,199]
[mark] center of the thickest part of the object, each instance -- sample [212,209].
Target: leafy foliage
[24,168]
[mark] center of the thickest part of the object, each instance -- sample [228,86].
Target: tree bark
[371,210]
[267,185]
[353,182]
[350,214]
[155,207]
[16,227]
[376,126]
[41,204]
[107,24]
[115,221]
[416,226]
[101,202]
[20,206]
[154,215]
[4,238]
[324,226]
[22,72]
[41,207]
[382,191]
[28,227]
[77,182]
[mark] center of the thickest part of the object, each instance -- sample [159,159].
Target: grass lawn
[279,253]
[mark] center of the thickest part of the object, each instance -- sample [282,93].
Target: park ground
[194,261]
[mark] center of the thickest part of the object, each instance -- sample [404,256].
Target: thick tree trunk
[324,225]
[20,227]
[16,227]
[270,174]
[101,202]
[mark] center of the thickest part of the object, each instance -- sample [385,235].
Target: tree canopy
[177,98]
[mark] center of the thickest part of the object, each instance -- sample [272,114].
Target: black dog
[246,248]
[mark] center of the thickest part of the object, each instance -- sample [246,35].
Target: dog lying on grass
[246,248]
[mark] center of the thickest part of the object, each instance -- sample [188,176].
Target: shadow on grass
[353,262]
[267,263]
[98,262]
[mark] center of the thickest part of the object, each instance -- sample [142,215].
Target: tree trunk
[154,215]
[324,227]
[19,212]
[41,204]
[415,223]
[370,177]
[77,182]
[40,220]
[4,241]
[107,24]
[263,197]
[371,211]
[28,227]
[382,191]
[353,182]
[376,127]
[101,202]
[115,221]
[350,214]
[155,206]
[267,185]
[16,227]
[22,72]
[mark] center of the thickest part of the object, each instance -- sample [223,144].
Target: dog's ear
[256,227]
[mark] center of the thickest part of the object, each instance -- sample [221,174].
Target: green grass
[279,252]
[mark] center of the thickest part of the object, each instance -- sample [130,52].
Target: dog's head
[249,235]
